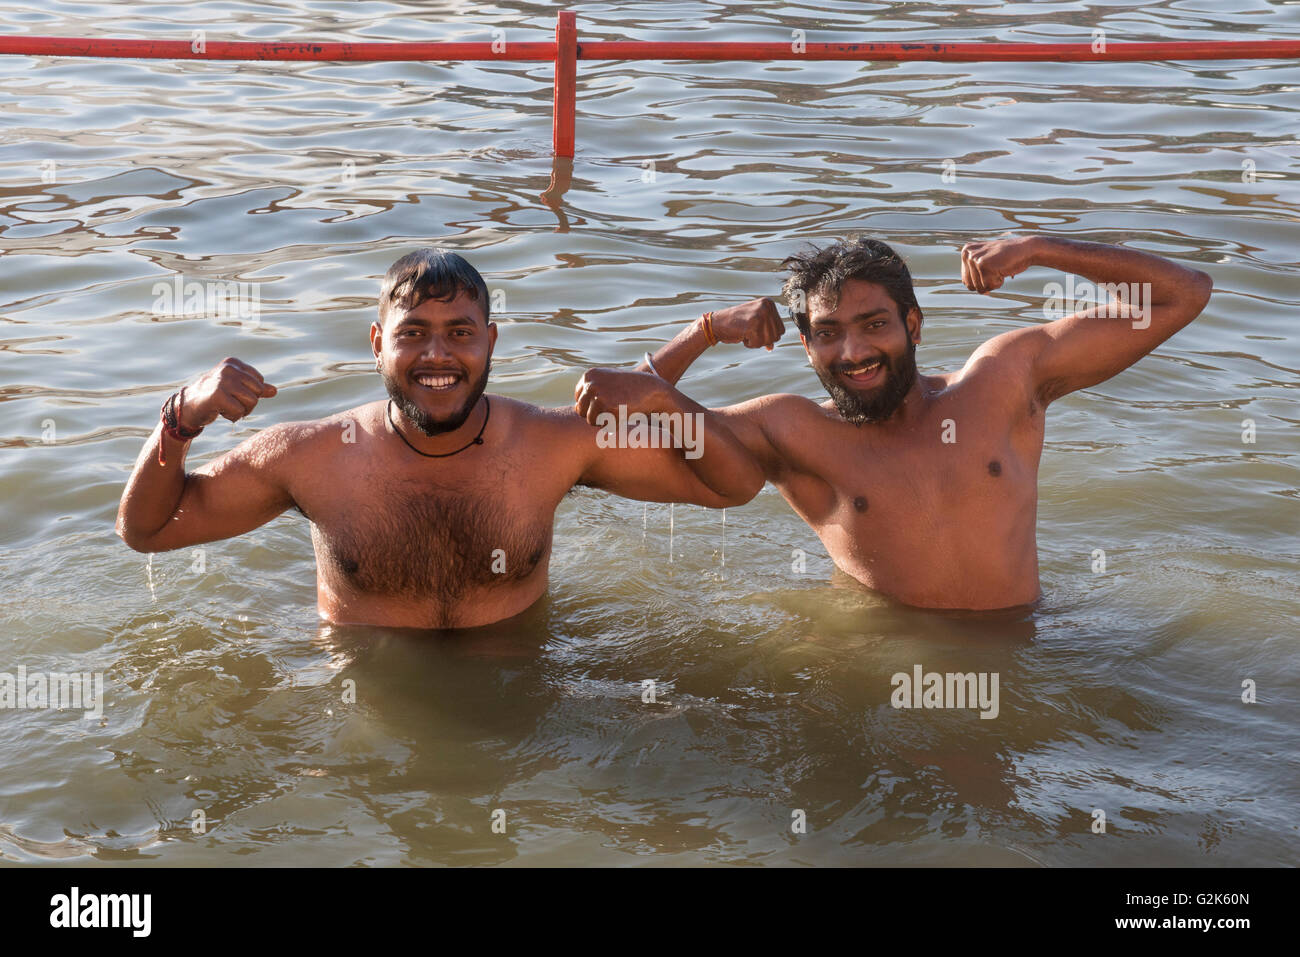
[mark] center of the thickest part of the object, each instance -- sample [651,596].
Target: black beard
[855,409]
[427,423]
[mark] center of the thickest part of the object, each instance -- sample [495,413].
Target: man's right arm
[755,323]
[163,507]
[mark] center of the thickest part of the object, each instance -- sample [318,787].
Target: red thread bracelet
[171,423]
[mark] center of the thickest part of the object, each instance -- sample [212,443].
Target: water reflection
[553,196]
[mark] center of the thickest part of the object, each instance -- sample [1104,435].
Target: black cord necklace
[477,440]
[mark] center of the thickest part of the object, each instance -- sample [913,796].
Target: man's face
[862,351]
[435,360]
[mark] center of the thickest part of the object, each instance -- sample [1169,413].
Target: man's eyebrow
[461,320]
[869,314]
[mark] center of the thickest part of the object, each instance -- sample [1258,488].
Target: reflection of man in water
[432,509]
[925,487]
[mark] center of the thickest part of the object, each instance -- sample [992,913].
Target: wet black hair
[430,273]
[823,272]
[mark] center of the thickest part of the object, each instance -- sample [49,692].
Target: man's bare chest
[429,536]
[876,486]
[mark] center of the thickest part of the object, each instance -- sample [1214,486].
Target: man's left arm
[1141,300]
[698,460]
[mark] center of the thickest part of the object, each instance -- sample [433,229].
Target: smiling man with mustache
[925,487]
[433,508]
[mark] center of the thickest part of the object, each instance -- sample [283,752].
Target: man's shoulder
[778,427]
[1008,353]
[367,416]
[1003,367]
[780,408]
[304,438]
[785,419]
[556,420]
[518,413]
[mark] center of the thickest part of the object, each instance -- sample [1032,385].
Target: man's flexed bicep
[747,421]
[1132,301]
[241,490]
[699,460]
[164,507]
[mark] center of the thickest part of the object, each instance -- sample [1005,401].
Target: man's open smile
[441,380]
[865,375]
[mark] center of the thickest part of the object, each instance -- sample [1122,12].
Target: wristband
[708,329]
[171,423]
[651,363]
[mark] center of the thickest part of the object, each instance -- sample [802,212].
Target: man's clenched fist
[986,265]
[231,390]
[755,323]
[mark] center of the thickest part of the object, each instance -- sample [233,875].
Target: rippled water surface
[1121,691]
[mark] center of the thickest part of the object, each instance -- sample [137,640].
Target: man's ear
[804,340]
[492,337]
[376,338]
[913,322]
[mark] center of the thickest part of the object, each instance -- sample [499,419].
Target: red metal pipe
[275,50]
[944,52]
[651,50]
[566,51]
[564,108]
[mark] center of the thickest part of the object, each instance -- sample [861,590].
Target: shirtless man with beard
[433,509]
[925,487]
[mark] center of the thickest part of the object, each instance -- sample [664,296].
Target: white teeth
[436,381]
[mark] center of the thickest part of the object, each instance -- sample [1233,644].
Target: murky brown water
[1121,692]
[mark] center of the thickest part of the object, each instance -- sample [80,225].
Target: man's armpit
[1049,390]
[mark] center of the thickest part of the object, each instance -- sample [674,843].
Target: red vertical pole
[566,81]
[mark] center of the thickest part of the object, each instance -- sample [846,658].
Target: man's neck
[912,409]
[443,442]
